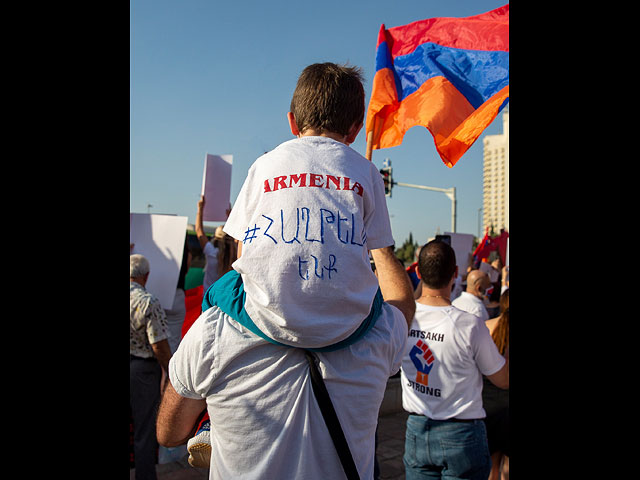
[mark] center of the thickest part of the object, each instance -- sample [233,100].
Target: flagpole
[369,145]
[369,153]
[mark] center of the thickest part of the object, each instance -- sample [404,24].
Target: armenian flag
[450,75]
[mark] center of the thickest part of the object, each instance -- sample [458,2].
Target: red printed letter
[357,188]
[334,180]
[278,182]
[300,179]
[312,180]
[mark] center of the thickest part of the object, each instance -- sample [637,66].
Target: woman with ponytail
[496,401]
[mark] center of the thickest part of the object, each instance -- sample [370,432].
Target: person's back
[147,321]
[305,237]
[450,347]
[447,352]
[307,215]
[265,420]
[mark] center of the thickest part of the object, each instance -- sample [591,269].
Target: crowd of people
[283,301]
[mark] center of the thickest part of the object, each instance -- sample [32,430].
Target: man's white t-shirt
[307,214]
[265,420]
[471,304]
[447,352]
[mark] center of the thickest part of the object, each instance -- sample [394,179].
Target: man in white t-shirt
[472,300]
[447,353]
[302,257]
[265,420]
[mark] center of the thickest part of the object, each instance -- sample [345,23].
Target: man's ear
[353,133]
[292,124]
[477,285]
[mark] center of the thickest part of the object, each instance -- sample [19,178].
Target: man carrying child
[306,218]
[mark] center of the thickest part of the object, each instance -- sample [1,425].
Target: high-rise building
[495,181]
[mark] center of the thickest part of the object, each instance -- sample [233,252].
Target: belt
[456,420]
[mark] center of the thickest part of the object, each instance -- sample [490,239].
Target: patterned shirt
[147,322]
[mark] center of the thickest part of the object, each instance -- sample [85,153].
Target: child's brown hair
[328,98]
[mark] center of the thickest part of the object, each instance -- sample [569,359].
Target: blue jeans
[445,449]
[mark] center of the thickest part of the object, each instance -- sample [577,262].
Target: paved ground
[391,428]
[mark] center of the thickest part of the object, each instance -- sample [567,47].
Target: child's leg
[199,446]
[204,418]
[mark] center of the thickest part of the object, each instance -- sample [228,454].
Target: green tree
[406,252]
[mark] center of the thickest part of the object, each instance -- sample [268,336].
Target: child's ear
[353,133]
[292,124]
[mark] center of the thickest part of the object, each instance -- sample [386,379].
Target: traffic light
[386,173]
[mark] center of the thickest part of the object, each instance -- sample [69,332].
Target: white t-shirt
[211,268]
[265,420]
[471,304]
[306,215]
[453,349]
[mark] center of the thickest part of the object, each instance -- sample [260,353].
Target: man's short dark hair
[437,264]
[329,98]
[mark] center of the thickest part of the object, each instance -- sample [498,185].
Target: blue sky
[217,77]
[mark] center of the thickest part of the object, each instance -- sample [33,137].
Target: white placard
[216,187]
[462,244]
[160,238]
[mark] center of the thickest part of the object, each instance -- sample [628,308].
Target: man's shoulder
[213,325]
[392,324]
[464,297]
[467,300]
[139,294]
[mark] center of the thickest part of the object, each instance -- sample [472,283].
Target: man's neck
[139,280]
[435,297]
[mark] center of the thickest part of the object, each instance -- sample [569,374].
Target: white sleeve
[245,205]
[486,353]
[398,341]
[190,364]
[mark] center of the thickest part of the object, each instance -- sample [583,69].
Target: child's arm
[395,284]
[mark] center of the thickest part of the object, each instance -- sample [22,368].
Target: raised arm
[202,237]
[395,284]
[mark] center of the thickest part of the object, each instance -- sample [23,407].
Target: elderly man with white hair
[149,355]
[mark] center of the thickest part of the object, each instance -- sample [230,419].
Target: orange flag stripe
[438,106]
